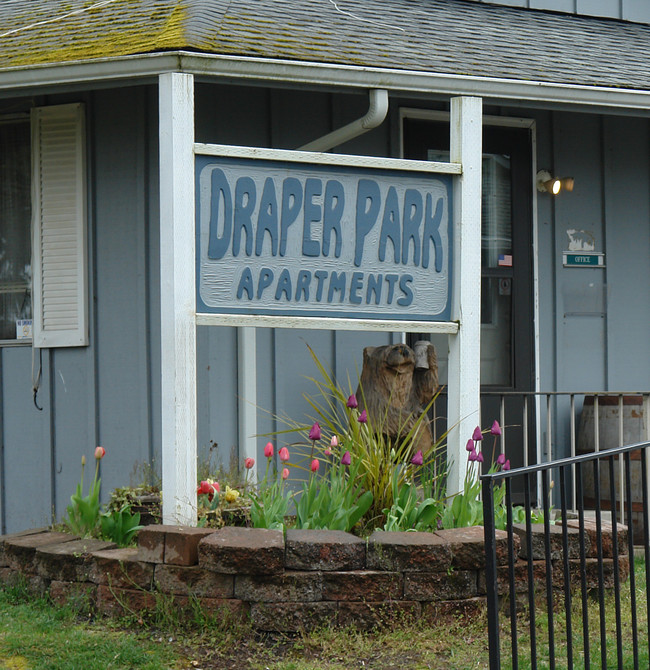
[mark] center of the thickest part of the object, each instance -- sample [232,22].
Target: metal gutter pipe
[235,69]
[377,110]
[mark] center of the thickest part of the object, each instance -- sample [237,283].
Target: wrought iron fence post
[491,574]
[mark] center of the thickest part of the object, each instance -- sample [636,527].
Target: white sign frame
[322,322]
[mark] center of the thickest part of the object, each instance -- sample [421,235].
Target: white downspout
[374,116]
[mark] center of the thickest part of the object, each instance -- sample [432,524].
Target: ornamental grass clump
[378,459]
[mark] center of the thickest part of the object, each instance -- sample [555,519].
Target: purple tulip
[473,456]
[418,459]
[314,433]
[479,457]
[363,417]
[506,465]
[478,435]
[352,402]
[470,445]
[496,428]
[346,459]
[501,459]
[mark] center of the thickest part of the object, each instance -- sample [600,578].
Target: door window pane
[15,226]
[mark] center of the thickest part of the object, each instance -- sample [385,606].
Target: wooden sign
[276,237]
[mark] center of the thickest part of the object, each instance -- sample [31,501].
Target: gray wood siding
[109,392]
[628,10]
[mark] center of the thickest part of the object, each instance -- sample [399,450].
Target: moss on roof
[88,30]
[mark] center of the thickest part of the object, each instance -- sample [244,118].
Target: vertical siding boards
[27,458]
[121,338]
[627,220]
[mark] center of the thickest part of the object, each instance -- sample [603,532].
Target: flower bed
[287,581]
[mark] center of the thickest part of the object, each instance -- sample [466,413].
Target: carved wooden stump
[396,385]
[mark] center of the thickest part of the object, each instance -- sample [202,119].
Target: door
[507,305]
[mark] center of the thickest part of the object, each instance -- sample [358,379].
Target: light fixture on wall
[548,184]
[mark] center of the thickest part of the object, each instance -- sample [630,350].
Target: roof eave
[139,68]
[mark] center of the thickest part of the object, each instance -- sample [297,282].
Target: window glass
[15,226]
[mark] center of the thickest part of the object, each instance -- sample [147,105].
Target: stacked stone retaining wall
[294,580]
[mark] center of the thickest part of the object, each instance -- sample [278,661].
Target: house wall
[628,10]
[109,392]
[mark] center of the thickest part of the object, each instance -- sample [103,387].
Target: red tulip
[249,463]
[285,473]
[315,465]
[268,450]
[283,454]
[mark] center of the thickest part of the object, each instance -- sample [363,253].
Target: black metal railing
[578,558]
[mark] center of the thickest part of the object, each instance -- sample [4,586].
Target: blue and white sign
[285,238]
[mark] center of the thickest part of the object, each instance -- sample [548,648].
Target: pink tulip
[249,463]
[315,465]
[314,433]
[268,450]
[334,442]
[352,402]
[418,459]
[285,473]
[100,453]
[328,451]
[284,454]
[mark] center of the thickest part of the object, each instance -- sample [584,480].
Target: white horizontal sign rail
[327,159]
[312,323]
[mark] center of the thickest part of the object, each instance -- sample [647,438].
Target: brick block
[408,551]
[468,546]
[176,545]
[193,580]
[69,561]
[537,541]
[591,572]
[181,544]
[293,617]
[234,550]
[20,551]
[521,578]
[118,602]
[591,537]
[289,586]
[324,550]
[363,585]
[12,536]
[83,594]
[455,585]
[151,544]
[378,615]
[121,568]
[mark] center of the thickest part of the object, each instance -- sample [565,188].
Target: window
[15,225]
[43,263]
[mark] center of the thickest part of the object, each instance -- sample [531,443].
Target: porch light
[548,184]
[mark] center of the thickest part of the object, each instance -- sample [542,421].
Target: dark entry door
[507,304]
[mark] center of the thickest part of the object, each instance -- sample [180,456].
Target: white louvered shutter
[59,266]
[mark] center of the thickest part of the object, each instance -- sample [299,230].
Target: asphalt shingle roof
[458,37]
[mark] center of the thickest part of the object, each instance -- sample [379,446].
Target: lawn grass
[34,634]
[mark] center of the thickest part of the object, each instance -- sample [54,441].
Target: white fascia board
[288,72]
